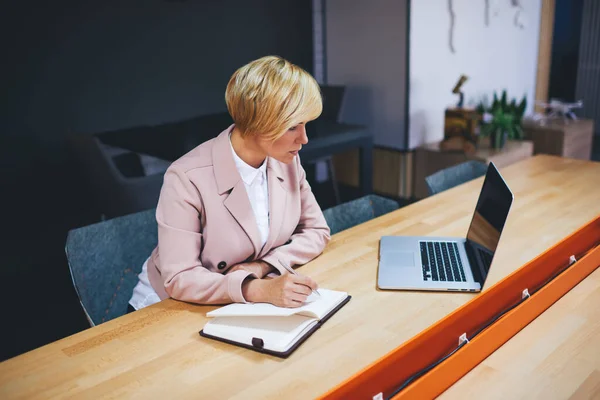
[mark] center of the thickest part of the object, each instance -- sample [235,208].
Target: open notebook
[270,329]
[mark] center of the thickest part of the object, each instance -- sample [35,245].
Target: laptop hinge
[473,263]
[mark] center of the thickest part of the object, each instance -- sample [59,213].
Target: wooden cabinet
[571,139]
[429,159]
[392,171]
[402,174]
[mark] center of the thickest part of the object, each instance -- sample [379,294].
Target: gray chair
[105,259]
[333,99]
[114,191]
[347,215]
[454,176]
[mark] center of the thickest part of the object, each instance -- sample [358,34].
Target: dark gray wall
[588,69]
[88,66]
[565,49]
[366,44]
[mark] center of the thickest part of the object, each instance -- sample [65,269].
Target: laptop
[449,263]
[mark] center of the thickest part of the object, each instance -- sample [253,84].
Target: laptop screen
[488,221]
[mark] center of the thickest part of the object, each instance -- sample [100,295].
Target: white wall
[495,57]
[366,51]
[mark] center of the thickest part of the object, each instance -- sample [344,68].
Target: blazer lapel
[228,178]
[239,206]
[278,197]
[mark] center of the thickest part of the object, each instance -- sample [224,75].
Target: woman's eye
[293,128]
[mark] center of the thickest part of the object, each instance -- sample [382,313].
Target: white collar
[247,172]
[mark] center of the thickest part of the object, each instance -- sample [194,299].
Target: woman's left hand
[258,268]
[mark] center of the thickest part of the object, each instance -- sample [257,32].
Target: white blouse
[255,181]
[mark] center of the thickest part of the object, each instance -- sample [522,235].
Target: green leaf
[522,106]
[512,107]
[485,130]
[480,108]
[506,118]
[519,132]
[498,137]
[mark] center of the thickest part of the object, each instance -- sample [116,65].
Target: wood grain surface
[157,352]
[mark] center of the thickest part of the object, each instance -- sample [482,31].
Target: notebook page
[320,307]
[317,308]
[278,334]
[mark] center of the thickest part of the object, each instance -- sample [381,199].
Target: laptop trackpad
[398,259]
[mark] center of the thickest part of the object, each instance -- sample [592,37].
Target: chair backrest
[347,215]
[105,259]
[333,98]
[113,193]
[454,176]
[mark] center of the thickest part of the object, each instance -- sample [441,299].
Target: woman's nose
[303,138]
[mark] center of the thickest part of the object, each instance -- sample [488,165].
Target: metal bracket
[525,294]
[572,260]
[462,339]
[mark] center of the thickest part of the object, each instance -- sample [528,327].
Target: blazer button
[222,265]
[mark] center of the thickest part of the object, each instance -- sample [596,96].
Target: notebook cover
[282,354]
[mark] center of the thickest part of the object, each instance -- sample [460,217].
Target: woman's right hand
[287,290]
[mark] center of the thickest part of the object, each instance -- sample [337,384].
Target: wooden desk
[557,356]
[157,352]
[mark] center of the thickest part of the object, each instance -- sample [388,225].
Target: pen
[292,271]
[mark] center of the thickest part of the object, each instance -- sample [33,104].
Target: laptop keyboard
[441,262]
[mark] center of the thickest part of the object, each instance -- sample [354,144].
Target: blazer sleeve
[179,243]
[310,236]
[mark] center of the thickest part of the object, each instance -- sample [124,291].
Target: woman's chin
[285,158]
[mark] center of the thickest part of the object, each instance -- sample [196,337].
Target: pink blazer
[206,225]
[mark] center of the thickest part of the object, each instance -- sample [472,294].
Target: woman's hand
[259,268]
[287,290]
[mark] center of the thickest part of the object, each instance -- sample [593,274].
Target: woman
[238,206]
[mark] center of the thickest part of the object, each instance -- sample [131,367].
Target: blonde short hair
[270,95]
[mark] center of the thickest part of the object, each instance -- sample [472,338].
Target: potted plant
[502,120]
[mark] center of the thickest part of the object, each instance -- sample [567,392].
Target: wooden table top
[557,356]
[157,352]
